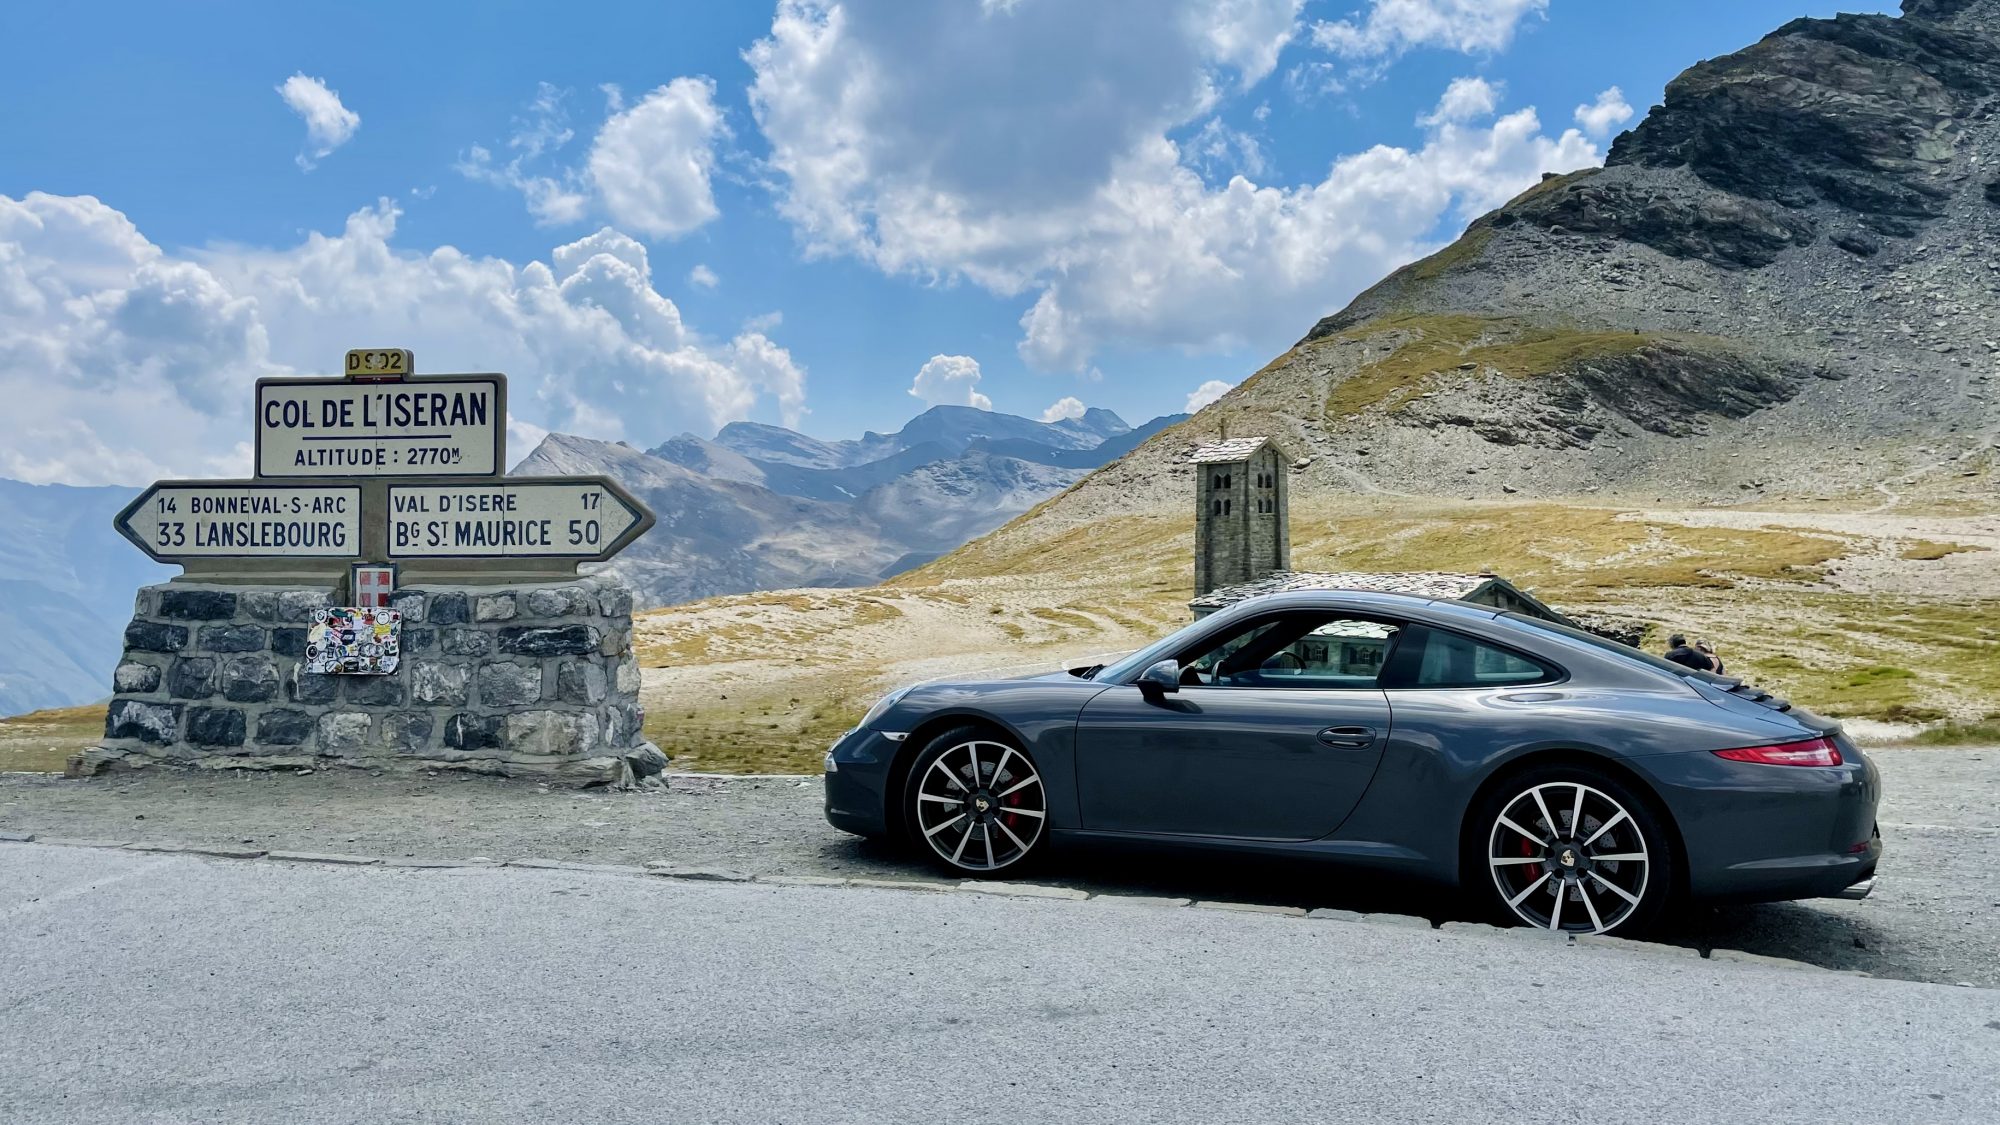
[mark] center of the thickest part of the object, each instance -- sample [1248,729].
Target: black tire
[1616,875]
[992,827]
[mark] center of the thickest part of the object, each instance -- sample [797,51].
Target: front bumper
[1760,833]
[857,781]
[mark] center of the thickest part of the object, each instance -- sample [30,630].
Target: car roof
[1381,601]
[1484,620]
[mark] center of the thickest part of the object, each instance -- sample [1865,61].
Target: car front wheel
[1574,850]
[976,804]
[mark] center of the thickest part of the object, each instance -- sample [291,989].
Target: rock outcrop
[1781,282]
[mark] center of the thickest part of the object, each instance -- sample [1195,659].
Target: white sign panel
[580,518]
[335,428]
[244,519]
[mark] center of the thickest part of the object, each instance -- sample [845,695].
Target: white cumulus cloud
[1206,393]
[1068,406]
[649,167]
[1035,159]
[702,277]
[121,362]
[1466,99]
[329,124]
[1392,27]
[651,162]
[1601,117]
[950,380]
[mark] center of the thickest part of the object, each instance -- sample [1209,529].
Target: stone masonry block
[466,642]
[448,609]
[439,685]
[406,732]
[418,640]
[509,685]
[151,636]
[628,676]
[475,732]
[559,640]
[134,678]
[258,605]
[284,727]
[295,607]
[157,723]
[197,605]
[342,734]
[373,691]
[250,678]
[192,677]
[231,638]
[615,602]
[316,690]
[495,607]
[552,732]
[215,726]
[289,641]
[409,603]
[579,681]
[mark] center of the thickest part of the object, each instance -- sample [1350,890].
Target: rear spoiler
[1735,686]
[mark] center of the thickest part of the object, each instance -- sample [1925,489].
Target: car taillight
[1811,752]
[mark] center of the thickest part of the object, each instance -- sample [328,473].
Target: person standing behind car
[1702,646]
[1680,652]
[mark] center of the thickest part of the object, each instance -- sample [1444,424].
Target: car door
[1274,734]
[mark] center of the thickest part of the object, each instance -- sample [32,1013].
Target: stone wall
[524,679]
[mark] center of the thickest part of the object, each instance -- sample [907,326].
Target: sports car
[1569,781]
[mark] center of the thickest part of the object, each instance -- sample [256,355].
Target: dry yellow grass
[1423,347]
[41,741]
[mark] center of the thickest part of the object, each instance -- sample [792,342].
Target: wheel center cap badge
[981,804]
[1567,859]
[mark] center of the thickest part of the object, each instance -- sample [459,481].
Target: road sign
[380,364]
[584,518]
[449,425]
[240,519]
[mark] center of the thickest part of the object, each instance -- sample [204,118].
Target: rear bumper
[857,782]
[1758,833]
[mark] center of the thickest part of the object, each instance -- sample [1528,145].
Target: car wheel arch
[1569,756]
[920,736]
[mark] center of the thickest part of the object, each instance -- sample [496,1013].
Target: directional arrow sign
[519,517]
[237,519]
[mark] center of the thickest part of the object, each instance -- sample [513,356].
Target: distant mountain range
[66,585]
[762,507]
[756,508]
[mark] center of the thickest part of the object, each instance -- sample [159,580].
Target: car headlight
[881,706]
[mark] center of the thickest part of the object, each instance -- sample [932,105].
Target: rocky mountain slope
[1782,284]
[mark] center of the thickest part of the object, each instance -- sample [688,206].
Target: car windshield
[1120,670]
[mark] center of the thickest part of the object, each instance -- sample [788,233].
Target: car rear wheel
[976,805]
[1573,850]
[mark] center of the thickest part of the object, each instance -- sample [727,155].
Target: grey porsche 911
[1575,783]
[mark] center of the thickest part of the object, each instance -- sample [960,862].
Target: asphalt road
[1935,916]
[169,988]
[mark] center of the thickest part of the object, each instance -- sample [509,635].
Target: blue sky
[1114,202]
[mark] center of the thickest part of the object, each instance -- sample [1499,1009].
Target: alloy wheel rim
[981,806]
[1567,857]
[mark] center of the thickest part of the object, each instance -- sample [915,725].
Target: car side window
[1316,649]
[1437,658]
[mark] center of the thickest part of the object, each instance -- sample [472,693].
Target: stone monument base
[520,680]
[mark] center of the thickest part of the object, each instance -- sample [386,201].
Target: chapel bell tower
[1241,520]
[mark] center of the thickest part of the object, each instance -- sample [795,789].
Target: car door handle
[1348,738]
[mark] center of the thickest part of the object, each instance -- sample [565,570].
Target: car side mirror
[1161,679]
